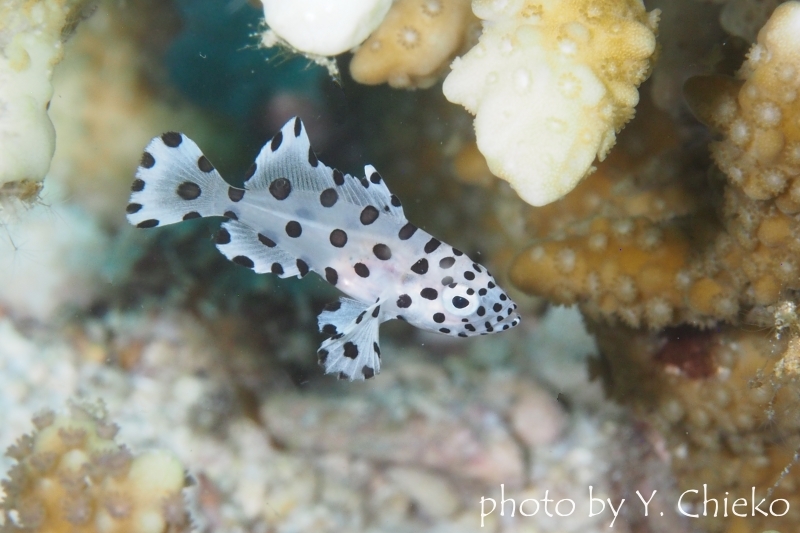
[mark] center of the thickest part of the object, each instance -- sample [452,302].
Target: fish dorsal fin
[352,352]
[289,155]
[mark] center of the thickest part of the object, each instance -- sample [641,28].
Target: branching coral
[714,280]
[31,34]
[749,256]
[551,83]
[414,42]
[72,476]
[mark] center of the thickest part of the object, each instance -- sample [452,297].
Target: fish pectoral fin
[352,352]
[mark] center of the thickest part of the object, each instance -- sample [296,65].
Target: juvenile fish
[295,215]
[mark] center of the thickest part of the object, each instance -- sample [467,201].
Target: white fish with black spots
[295,215]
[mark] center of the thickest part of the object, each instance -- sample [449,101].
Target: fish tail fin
[175,182]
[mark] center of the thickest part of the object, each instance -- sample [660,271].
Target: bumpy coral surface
[707,262]
[30,47]
[413,43]
[718,266]
[551,83]
[72,476]
[727,406]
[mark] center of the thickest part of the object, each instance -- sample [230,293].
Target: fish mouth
[507,323]
[511,321]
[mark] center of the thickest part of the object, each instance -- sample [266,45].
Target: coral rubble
[31,35]
[550,84]
[71,475]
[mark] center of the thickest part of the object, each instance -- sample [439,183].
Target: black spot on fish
[235,194]
[148,160]
[376,311]
[276,141]
[328,197]
[396,201]
[188,190]
[404,301]
[191,214]
[172,139]
[361,269]
[420,267]
[368,372]
[137,185]
[333,306]
[429,294]
[331,275]
[407,231]
[375,178]
[338,238]
[243,260]
[151,223]
[438,318]
[223,237]
[382,252]
[276,268]
[133,208]
[338,177]
[204,164]
[231,215]
[470,275]
[280,189]
[302,266]
[293,229]
[350,350]
[266,241]
[312,158]
[369,215]
[298,126]
[432,245]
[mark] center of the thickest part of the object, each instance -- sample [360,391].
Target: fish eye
[459,300]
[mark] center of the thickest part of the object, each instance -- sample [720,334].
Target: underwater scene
[400,266]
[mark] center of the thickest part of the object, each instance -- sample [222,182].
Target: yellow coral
[629,268]
[71,476]
[749,256]
[412,44]
[757,115]
[551,83]
[724,405]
